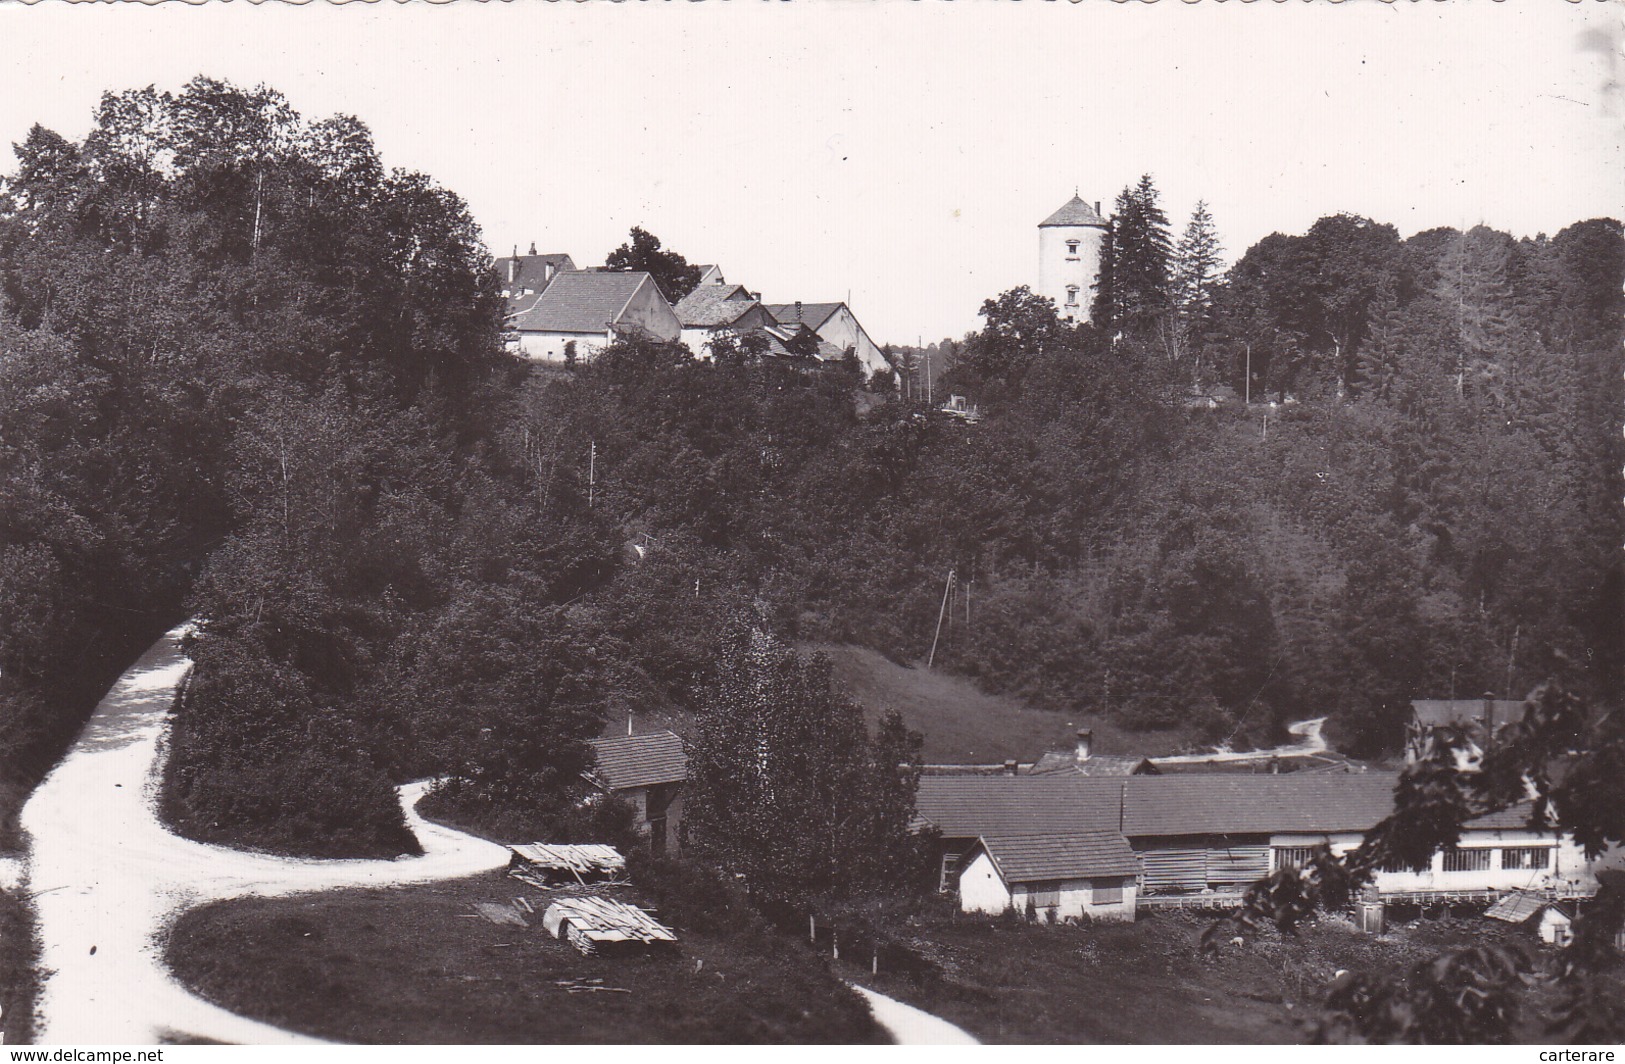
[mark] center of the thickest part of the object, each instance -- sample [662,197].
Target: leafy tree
[786,787]
[671,271]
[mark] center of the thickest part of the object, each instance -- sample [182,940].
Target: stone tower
[1069,246]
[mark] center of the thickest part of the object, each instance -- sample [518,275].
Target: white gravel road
[909,1026]
[107,877]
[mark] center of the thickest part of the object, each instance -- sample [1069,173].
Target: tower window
[1071,247]
[1071,295]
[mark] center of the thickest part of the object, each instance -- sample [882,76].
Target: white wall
[549,346]
[1568,866]
[1057,268]
[981,888]
[649,310]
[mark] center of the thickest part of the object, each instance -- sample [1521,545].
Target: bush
[693,896]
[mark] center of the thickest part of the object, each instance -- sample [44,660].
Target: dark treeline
[245,368]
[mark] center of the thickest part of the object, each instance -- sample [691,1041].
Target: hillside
[962,723]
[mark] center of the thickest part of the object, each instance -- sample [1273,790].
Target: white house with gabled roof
[589,309]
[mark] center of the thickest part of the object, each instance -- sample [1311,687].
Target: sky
[900,155]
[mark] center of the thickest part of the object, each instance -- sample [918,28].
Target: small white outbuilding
[1084,875]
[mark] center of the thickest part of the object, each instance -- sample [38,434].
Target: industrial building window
[1108,894]
[1531,857]
[1294,856]
[1466,860]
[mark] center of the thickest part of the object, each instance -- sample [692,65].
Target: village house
[1204,838]
[526,275]
[837,326]
[715,310]
[647,772]
[1085,875]
[580,312]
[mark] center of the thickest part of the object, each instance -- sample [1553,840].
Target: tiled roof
[1074,212]
[1077,855]
[813,315]
[532,271]
[1516,908]
[968,806]
[1433,712]
[1098,765]
[640,760]
[963,807]
[714,304]
[1255,805]
[583,301]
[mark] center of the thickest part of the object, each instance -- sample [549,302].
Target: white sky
[901,152]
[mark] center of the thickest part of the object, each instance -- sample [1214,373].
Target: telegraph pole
[592,471]
[946,587]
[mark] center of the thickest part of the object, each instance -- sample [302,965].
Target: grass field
[414,965]
[1012,982]
[962,723]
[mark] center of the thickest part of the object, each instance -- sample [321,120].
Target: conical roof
[1074,212]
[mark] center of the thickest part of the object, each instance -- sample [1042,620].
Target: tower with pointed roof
[1069,248]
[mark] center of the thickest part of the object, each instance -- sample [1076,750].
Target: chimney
[533,247]
[513,265]
[1086,742]
[756,296]
[1009,768]
[798,310]
[1097,206]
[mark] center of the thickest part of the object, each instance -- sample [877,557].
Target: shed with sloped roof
[647,772]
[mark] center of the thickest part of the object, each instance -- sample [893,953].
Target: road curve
[108,878]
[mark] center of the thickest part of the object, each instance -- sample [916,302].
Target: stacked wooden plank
[547,865]
[589,922]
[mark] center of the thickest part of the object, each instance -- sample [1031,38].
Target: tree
[1196,274]
[1135,291]
[670,270]
[786,787]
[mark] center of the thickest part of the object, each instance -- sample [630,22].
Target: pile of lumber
[547,865]
[590,923]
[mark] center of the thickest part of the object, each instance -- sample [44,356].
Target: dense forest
[250,376]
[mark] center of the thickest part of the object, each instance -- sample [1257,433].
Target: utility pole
[592,471]
[940,613]
[1249,382]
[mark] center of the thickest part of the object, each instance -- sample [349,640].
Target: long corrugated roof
[1078,855]
[1224,804]
[1074,212]
[640,760]
[964,807]
[583,301]
[1143,806]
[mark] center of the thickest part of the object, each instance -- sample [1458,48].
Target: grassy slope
[1145,983]
[962,723]
[410,965]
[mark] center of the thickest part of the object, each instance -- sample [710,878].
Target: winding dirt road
[108,877]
